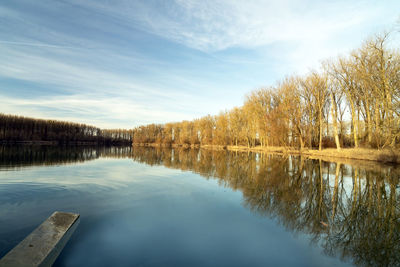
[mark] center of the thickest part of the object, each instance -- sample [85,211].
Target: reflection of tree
[352,212]
[18,156]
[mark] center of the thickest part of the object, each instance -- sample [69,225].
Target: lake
[185,207]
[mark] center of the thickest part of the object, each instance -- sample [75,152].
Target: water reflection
[351,211]
[14,157]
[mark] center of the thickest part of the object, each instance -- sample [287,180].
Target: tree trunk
[301,143]
[369,126]
[354,121]
[334,121]
[320,131]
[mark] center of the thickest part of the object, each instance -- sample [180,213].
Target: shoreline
[386,156]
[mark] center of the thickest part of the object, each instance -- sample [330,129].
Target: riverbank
[329,154]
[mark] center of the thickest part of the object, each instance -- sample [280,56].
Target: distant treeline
[352,101]
[16,129]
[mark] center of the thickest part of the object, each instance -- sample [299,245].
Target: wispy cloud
[35,44]
[88,93]
[125,63]
[309,30]
[219,24]
[101,111]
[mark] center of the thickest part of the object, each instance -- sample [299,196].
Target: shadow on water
[351,211]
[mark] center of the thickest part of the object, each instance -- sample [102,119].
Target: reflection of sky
[133,214]
[105,172]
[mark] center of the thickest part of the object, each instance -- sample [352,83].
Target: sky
[125,63]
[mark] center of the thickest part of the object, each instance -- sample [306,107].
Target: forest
[18,129]
[351,101]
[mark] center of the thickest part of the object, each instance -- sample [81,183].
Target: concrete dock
[44,244]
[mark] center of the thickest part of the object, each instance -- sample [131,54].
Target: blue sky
[119,64]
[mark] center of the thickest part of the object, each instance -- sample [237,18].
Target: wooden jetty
[44,244]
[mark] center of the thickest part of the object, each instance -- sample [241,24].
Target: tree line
[15,129]
[352,101]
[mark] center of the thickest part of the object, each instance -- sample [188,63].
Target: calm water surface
[163,207]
